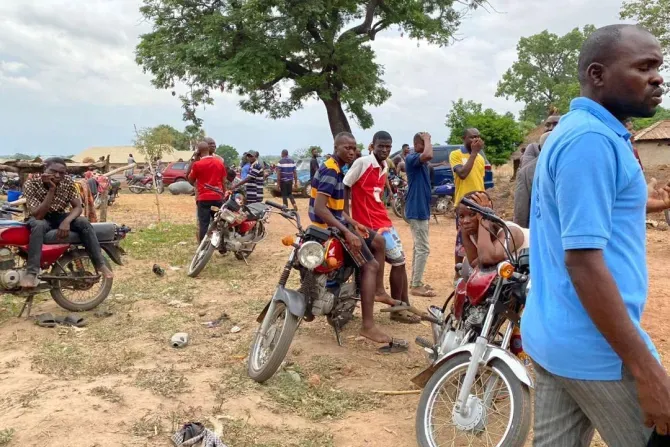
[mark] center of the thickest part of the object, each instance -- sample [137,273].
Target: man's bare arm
[427,153]
[464,170]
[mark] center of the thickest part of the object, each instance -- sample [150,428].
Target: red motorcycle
[138,184]
[328,287]
[235,228]
[69,276]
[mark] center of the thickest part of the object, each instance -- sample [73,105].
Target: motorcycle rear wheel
[398,207]
[261,369]
[202,256]
[79,264]
[137,189]
[514,393]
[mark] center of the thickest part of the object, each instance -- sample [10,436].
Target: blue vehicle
[443,174]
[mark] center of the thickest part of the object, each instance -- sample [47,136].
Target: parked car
[175,172]
[304,187]
[442,174]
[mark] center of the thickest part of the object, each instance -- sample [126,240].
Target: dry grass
[166,382]
[67,360]
[239,433]
[108,394]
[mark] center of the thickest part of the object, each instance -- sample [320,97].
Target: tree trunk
[336,117]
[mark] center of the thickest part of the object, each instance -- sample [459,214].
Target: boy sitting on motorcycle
[327,209]
[483,240]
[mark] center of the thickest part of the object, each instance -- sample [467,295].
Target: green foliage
[653,15]
[20,156]
[501,133]
[309,48]
[643,123]
[154,142]
[545,73]
[306,152]
[229,154]
[182,141]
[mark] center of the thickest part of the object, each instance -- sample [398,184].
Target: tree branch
[313,30]
[268,85]
[295,69]
[364,28]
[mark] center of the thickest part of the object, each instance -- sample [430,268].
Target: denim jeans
[205,215]
[81,226]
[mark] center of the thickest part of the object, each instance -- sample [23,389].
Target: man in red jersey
[365,182]
[206,170]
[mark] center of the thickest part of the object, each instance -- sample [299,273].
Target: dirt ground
[120,383]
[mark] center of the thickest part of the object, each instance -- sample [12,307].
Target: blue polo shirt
[588,193]
[417,203]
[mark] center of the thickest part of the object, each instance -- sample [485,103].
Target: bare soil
[120,383]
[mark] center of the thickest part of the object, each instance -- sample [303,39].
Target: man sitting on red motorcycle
[327,208]
[48,198]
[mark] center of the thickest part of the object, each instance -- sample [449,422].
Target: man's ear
[595,73]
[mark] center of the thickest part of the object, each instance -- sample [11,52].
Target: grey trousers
[567,411]
[419,230]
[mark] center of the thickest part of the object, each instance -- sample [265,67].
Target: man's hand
[353,241]
[482,199]
[362,230]
[477,145]
[63,230]
[653,391]
[658,198]
[426,137]
[48,179]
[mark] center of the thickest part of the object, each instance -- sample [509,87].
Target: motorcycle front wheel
[137,189]
[398,207]
[499,412]
[267,353]
[160,188]
[202,256]
[83,293]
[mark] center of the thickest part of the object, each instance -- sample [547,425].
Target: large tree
[279,53]
[183,141]
[229,154]
[501,133]
[545,73]
[653,15]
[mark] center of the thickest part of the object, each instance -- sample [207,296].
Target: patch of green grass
[316,402]
[6,436]
[239,433]
[160,242]
[163,327]
[106,393]
[165,382]
[9,307]
[69,360]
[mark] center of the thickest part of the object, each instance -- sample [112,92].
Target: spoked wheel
[267,352]
[398,207]
[202,255]
[308,190]
[498,409]
[85,288]
[137,189]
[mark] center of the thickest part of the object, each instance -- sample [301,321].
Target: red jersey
[208,171]
[367,180]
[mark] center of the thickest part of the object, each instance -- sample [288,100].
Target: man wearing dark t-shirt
[206,170]
[313,164]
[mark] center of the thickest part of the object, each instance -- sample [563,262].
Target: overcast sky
[68,79]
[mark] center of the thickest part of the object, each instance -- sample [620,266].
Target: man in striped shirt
[287,176]
[254,180]
[328,208]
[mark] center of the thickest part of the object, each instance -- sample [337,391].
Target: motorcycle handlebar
[276,205]
[484,211]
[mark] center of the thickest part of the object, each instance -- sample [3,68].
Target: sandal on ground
[398,307]
[45,320]
[71,320]
[422,291]
[405,317]
[396,345]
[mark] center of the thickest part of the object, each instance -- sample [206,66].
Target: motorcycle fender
[492,352]
[295,301]
[114,252]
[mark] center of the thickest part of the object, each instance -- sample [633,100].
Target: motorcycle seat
[105,231]
[256,211]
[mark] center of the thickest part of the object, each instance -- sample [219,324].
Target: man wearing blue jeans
[595,366]
[417,209]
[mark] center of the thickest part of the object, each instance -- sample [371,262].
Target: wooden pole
[104,195]
[153,175]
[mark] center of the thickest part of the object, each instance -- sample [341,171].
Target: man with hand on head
[48,199]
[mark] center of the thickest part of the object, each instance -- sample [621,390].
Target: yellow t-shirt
[474,181]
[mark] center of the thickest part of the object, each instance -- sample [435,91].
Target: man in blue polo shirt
[595,366]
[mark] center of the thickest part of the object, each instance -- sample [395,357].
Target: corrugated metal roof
[119,154]
[657,131]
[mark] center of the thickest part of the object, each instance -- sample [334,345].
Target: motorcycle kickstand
[27,306]
[337,335]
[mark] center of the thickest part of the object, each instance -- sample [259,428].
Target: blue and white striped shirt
[286,169]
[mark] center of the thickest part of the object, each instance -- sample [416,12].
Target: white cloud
[76,57]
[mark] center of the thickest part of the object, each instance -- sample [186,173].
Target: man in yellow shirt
[468,166]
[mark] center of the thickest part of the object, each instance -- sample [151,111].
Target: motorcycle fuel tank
[479,283]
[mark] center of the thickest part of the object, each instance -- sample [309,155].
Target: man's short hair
[467,131]
[54,161]
[405,145]
[284,153]
[600,47]
[344,134]
[417,137]
[381,135]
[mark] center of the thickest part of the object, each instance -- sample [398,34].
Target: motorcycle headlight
[4,179]
[228,215]
[396,182]
[310,255]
